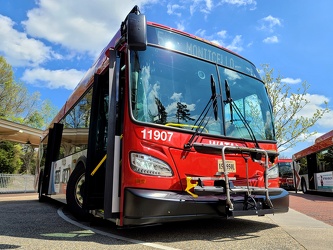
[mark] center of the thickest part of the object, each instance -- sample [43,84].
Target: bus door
[104,143]
[115,130]
[52,154]
[312,168]
[96,153]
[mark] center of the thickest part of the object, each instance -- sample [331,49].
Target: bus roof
[324,137]
[321,142]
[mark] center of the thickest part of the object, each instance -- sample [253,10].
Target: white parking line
[114,236]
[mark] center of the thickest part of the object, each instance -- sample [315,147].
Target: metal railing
[17,183]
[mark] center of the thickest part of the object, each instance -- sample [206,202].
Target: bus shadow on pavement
[8,246]
[34,220]
[217,230]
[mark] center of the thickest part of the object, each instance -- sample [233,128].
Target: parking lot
[28,224]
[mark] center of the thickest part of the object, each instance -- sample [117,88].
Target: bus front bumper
[143,206]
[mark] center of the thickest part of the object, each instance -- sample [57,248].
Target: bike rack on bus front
[223,150]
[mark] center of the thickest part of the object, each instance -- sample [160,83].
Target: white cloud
[218,42]
[311,139]
[251,3]
[201,33]
[221,37]
[326,121]
[315,102]
[19,49]
[271,39]
[180,26]
[173,9]
[269,23]
[204,6]
[236,44]
[318,102]
[222,34]
[291,80]
[249,44]
[209,5]
[272,21]
[80,25]
[81,28]
[53,79]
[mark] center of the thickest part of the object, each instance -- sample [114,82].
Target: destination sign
[201,49]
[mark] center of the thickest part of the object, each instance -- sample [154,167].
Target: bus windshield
[172,88]
[285,169]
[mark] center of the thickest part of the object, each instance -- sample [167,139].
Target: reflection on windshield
[173,89]
[285,170]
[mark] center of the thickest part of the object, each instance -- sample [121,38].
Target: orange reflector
[140,181]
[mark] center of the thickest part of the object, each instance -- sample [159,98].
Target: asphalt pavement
[34,233]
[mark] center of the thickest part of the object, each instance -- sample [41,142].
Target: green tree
[39,116]
[28,158]
[6,72]
[10,157]
[18,105]
[290,126]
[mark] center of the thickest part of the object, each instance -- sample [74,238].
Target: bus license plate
[231,166]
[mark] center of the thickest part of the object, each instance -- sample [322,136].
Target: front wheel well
[76,188]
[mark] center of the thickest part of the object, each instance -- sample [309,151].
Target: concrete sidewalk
[311,233]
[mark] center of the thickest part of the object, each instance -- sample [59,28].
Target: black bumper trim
[143,206]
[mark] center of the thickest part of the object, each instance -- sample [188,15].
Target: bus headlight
[273,172]
[145,164]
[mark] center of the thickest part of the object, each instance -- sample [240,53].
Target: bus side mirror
[136,32]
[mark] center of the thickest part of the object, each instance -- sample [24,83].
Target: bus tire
[41,197]
[304,187]
[75,191]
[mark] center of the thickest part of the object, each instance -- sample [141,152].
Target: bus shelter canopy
[15,132]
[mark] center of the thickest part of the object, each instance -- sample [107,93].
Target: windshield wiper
[233,106]
[200,123]
[213,97]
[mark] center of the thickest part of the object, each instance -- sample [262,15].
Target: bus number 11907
[151,134]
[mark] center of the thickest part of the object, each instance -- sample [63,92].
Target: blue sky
[52,43]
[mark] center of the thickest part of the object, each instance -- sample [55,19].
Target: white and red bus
[164,127]
[315,165]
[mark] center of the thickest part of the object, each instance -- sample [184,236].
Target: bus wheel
[75,191]
[304,188]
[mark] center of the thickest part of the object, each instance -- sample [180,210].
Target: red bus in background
[315,165]
[286,174]
[164,127]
